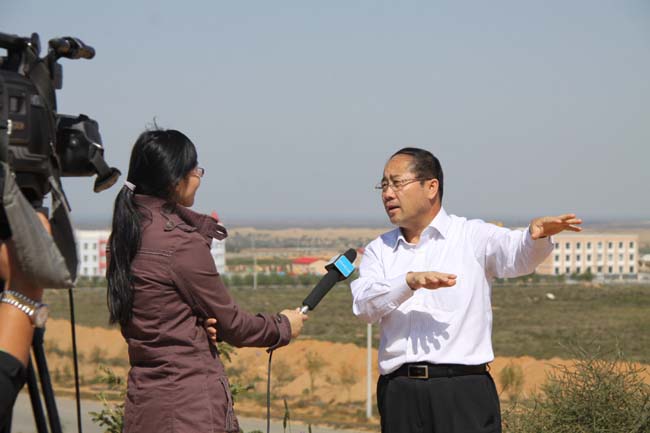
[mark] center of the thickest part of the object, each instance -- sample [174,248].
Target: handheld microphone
[338,269]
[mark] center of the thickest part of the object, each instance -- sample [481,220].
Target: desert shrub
[512,381]
[597,395]
[111,417]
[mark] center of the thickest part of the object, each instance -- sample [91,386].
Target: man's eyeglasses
[198,171]
[397,185]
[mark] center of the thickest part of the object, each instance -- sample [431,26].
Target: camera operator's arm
[16,329]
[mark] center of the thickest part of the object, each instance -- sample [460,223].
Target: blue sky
[532,107]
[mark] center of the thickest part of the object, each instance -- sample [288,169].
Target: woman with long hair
[163,283]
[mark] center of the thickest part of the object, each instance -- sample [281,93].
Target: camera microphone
[338,269]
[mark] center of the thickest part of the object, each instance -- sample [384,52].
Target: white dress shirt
[450,325]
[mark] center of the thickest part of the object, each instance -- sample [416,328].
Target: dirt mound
[315,376]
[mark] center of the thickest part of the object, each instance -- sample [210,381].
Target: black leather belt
[426,371]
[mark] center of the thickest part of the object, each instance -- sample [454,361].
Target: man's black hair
[424,166]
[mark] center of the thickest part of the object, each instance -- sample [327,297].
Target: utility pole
[254,263]
[369,374]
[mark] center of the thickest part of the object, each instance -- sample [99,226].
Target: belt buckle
[420,371]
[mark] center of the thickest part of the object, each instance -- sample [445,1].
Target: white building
[91,251]
[218,251]
[606,255]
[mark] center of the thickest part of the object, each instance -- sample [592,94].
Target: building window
[85,246]
[95,271]
[600,269]
[94,246]
[557,257]
[578,258]
[620,245]
[567,258]
[568,270]
[620,257]
[631,269]
[578,245]
[600,245]
[85,258]
[610,269]
[567,245]
[557,271]
[620,269]
[85,271]
[588,245]
[94,258]
[589,269]
[588,257]
[600,257]
[557,246]
[610,257]
[632,257]
[610,245]
[578,269]
[631,245]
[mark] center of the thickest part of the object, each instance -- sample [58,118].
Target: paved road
[23,420]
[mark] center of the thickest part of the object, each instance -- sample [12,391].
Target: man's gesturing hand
[549,226]
[429,280]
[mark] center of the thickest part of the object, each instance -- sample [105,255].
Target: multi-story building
[606,255]
[218,251]
[91,251]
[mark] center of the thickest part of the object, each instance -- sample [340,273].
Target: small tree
[348,376]
[315,364]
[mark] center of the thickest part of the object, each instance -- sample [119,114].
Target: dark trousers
[459,404]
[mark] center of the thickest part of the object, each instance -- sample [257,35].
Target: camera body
[39,144]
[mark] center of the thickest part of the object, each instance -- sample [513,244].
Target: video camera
[38,145]
[43,143]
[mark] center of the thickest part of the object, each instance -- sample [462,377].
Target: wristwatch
[36,311]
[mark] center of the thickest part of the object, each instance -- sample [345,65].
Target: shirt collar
[440,223]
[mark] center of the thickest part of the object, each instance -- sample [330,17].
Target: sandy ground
[341,379]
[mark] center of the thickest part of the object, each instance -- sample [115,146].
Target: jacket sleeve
[195,275]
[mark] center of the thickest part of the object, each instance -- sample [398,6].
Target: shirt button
[169,225]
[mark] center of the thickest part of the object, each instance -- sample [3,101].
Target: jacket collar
[204,224]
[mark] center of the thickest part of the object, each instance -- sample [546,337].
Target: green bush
[512,381]
[596,395]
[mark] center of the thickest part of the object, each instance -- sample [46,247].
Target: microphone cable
[268,395]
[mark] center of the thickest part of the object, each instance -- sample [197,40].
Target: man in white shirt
[428,282]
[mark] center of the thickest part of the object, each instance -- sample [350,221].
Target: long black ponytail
[160,159]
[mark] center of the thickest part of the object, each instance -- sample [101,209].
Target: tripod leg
[35,397]
[46,383]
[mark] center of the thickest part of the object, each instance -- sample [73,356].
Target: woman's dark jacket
[177,382]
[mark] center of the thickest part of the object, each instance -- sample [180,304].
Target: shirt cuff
[400,290]
[529,241]
[284,328]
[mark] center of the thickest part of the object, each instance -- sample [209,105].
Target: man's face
[407,204]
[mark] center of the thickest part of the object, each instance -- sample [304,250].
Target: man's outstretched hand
[552,225]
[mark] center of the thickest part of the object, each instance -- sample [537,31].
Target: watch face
[40,316]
